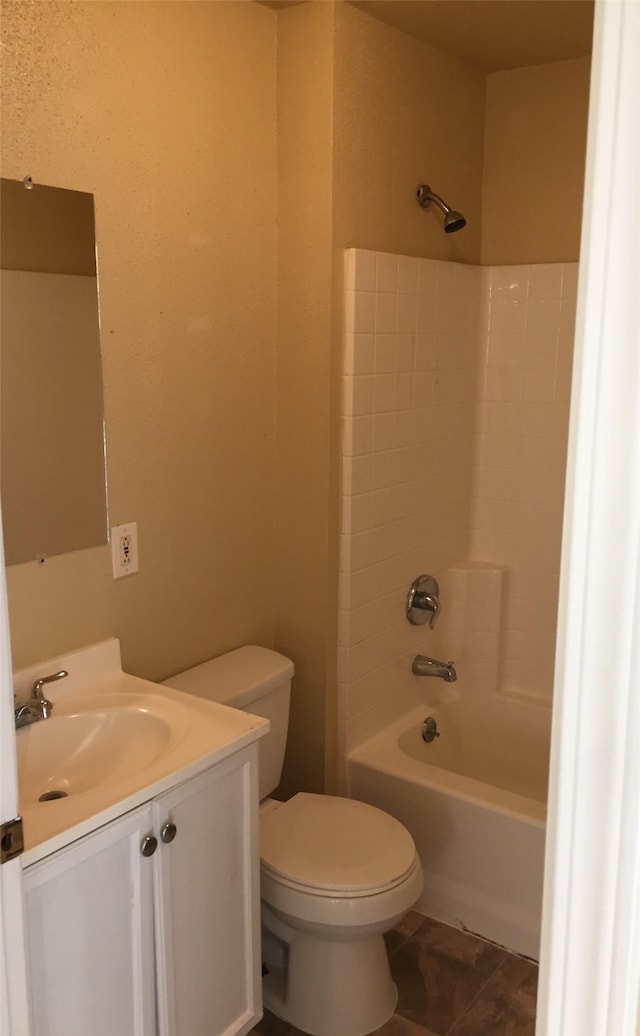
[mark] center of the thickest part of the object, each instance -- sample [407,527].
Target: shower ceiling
[492,34]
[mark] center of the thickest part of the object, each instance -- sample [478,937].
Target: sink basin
[71,754]
[113,742]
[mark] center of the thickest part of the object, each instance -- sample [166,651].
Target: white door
[590,960]
[14,1019]
[208,909]
[89,925]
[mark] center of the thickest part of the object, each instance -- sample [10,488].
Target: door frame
[590,950]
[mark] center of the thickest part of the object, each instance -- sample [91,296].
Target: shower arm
[425,197]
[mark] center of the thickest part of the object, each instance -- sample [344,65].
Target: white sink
[112,742]
[76,753]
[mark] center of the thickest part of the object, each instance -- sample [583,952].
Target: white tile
[360,474]
[349,311]
[405,352]
[385,353]
[541,350]
[545,281]
[543,316]
[362,354]
[360,513]
[407,315]
[506,350]
[505,383]
[426,317]
[358,588]
[364,312]
[509,282]
[386,272]
[539,386]
[403,392]
[507,315]
[425,355]
[407,275]
[364,274]
[570,281]
[361,401]
[427,277]
[383,393]
[403,428]
[384,469]
[383,432]
[361,440]
[447,286]
[386,313]
[349,268]
[359,550]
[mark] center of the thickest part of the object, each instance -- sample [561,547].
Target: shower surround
[456,400]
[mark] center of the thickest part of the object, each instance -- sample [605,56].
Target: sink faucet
[37,707]
[423,666]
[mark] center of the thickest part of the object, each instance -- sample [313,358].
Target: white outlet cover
[124,549]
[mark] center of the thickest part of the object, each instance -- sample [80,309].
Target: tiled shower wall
[438,357]
[522,445]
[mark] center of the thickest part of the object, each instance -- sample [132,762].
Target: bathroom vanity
[141,886]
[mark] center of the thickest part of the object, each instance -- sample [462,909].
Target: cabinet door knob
[148,845]
[168,832]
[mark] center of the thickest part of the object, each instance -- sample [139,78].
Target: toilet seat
[326,846]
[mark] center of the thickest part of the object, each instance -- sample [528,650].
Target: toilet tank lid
[236,678]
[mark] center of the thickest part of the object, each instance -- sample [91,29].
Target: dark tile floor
[449,984]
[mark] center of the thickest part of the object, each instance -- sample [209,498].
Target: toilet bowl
[335,874]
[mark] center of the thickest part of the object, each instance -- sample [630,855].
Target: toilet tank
[254,679]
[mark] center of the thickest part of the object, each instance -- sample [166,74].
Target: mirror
[52,454]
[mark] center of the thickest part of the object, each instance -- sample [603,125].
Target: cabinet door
[208,902]
[89,921]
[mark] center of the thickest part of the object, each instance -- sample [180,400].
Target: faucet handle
[37,693]
[423,601]
[37,687]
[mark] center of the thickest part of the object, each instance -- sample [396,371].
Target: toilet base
[329,988]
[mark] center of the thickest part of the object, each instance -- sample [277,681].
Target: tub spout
[423,666]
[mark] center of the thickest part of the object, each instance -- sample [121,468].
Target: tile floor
[449,984]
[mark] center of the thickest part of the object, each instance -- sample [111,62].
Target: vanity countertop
[114,741]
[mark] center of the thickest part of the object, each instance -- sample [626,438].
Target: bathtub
[474,800]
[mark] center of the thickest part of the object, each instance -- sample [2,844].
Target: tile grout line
[474,999]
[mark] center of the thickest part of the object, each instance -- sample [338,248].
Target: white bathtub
[475,802]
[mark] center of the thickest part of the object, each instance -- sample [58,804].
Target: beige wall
[535,144]
[166,112]
[302,587]
[405,114]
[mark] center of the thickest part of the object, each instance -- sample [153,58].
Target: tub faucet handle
[423,601]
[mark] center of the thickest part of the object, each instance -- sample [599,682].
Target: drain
[429,729]
[48,796]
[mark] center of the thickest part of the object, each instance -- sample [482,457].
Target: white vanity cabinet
[167,944]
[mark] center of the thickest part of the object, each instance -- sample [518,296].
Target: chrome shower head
[453,220]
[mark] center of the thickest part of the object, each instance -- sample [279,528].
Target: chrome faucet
[423,666]
[37,707]
[423,601]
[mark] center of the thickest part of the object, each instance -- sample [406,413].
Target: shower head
[452,220]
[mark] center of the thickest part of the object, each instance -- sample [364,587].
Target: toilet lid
[335,844]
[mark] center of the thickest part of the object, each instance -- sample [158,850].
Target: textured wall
[405,114]
[302,544]
[166,112]
[534,154]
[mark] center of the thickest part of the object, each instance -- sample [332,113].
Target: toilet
[335,874]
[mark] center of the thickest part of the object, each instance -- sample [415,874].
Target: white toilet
[335,874]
